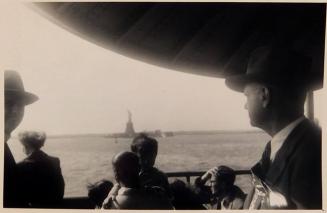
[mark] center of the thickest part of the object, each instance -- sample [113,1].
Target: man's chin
[10,128]
[11,124]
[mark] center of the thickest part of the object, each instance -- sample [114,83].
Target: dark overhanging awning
[212,39]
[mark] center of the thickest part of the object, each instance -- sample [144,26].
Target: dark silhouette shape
[98,191]
[183,197]
[16,98]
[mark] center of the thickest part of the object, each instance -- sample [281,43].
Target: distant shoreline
[176,133]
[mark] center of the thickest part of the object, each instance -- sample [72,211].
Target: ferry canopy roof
[212,39]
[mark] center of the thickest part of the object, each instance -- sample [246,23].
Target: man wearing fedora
[16,98]
[288,176]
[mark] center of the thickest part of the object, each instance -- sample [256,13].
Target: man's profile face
[218,187]
[14,113]
[146,160]
[147,156]
[214,185]
[254,103]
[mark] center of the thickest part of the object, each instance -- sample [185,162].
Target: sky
[84,88]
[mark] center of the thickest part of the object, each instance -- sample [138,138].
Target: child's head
[146,149]
[126,169]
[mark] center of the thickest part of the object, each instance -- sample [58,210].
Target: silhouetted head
[183,197]
[223,180]
[16,98]
[178,186]
[32,141]
[98,191]
[146,148]
[126,168]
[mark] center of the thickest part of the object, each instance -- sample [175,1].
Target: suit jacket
[42,182]
[296,171]
[155,177]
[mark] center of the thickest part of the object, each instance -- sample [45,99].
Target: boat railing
[83,202]
[190,174]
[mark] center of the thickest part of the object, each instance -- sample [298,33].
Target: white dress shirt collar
[279,138]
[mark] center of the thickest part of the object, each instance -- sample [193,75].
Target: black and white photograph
[163,105]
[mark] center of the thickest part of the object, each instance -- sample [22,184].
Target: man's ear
[266,97]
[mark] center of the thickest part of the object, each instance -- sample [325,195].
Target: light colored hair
[34,139]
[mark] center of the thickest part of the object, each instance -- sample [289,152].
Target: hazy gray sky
[84,88]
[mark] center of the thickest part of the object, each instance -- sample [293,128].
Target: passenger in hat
[221,192]
[288,175]
[131,195]
[16,98]
[42,182]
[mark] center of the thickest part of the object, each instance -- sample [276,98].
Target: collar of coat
[270,172]
[36,155]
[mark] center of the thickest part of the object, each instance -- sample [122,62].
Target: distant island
[174,133]
[130,132]
[214,132]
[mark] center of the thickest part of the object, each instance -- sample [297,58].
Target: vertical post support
[188,179]
[309,106]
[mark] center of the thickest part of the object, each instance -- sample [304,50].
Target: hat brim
[238,82]
[26,97]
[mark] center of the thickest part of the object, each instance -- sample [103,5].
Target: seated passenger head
[146,149]
[223,181]
[126,169]
[180,190]
[31,141]
[98,191]
[178,186]
[183,197]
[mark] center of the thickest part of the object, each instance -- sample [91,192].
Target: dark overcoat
[41,179]
[11,182]
[296,171]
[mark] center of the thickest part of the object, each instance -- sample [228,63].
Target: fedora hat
[275,66]
[14,88]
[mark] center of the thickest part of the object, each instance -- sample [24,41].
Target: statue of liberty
[129,125]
